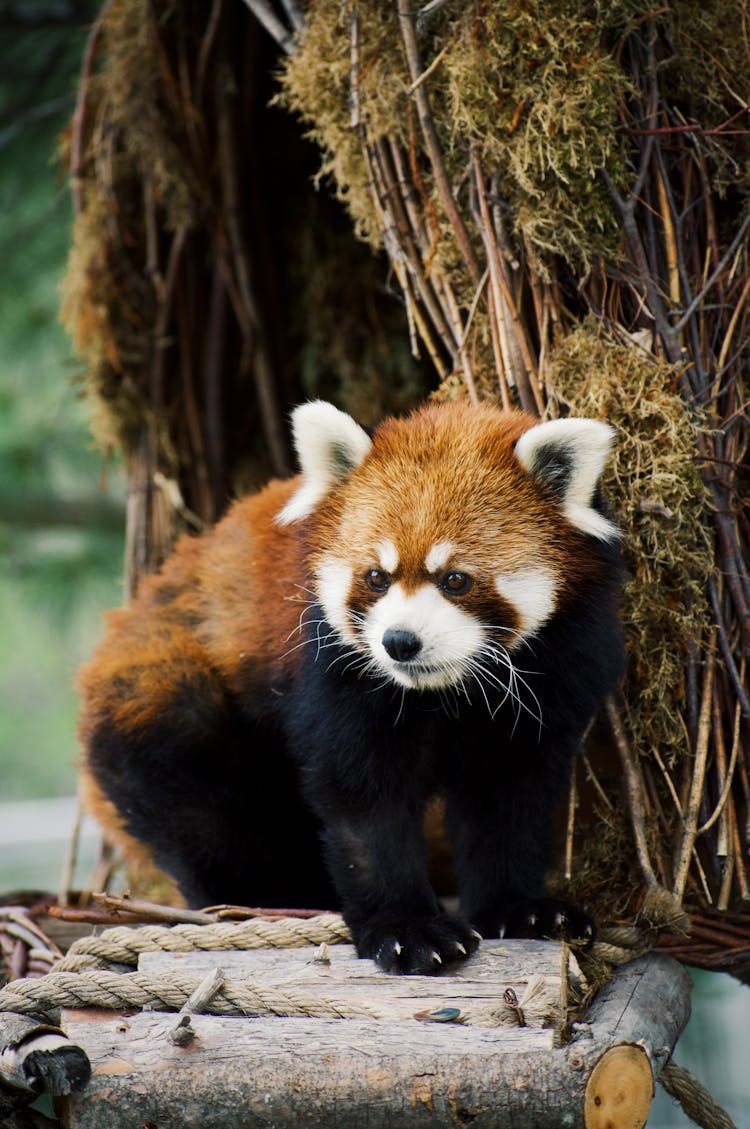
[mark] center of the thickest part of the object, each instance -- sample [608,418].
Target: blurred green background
[62,516]
[60,505]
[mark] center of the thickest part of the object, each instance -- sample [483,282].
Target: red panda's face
[447,540]
[421,632]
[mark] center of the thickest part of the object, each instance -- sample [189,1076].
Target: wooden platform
[401,1070]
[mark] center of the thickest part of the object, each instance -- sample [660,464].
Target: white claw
[397,948]
[532,919]
[436,957]
[461,948]
[478,936]
[501,930]
[559,920]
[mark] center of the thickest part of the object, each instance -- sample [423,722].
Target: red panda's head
[450,536]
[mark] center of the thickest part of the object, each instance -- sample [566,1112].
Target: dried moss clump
[339,88]
[533,89]
[660,502]
[132,167]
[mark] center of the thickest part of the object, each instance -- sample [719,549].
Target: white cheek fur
[531,591]
[334,581]
[450,637]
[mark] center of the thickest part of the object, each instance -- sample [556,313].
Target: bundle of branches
[561,191]
[209,286]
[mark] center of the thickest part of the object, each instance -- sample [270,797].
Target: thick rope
[103,988]
[694,1098]
[170,990]
[124,944]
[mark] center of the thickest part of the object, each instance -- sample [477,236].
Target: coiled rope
[169,991]
[694,1098]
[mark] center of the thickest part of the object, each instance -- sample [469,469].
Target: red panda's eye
[377,580]
[456,583]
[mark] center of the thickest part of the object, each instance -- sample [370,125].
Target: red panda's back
[215,606]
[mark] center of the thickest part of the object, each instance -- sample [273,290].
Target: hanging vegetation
[561,191]
[209,286]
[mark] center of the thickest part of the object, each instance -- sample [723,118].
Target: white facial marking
[438,556]
[531,591]
[449,636]
[334,582]
[387,556]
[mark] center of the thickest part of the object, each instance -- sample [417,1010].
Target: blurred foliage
[60,515]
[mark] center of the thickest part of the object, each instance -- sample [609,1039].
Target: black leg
[221,812]
[379,866]
[501,838]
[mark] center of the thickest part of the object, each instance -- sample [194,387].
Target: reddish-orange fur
[242,718]
[249,611]
[467,487]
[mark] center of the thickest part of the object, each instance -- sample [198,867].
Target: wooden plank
[346,1074]
[532,969]
[513,959]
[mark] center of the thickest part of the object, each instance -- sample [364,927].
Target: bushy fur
[430,613]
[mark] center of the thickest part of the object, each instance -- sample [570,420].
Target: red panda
[430,610]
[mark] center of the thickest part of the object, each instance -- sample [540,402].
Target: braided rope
[694,1098]
[103,988]
[617,954]
[124,944]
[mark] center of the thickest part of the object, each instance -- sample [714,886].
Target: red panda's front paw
[419,944]
[539,917]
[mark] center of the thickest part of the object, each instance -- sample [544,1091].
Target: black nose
[402,645]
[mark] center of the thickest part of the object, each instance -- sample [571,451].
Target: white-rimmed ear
[568,457]
[329,445]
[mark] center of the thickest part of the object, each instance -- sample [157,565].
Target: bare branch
[266,16]
[427,123]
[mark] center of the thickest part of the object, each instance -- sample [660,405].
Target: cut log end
[620,1089]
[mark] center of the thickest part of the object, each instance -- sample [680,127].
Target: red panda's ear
[329,445]
[568,456]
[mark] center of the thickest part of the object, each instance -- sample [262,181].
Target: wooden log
[392,1074]
[658,1004]
[36,1058]
[619,1089]
[638,1039]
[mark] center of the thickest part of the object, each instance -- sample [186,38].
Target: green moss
[533,88]
[660,502]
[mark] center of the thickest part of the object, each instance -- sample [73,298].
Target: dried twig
[266,16]
[427,123]
[634,793]
[690,827]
